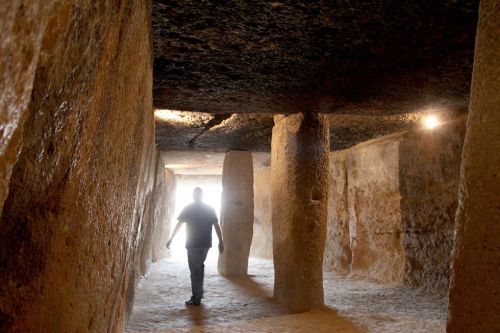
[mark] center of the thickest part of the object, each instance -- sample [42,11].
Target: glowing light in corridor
[184,196]
[431,121]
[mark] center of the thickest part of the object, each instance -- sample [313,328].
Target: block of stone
[299,173]
[236,212]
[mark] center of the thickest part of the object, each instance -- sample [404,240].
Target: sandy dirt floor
[245,304]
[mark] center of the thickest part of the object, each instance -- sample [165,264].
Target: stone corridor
[351,146]
[244,304]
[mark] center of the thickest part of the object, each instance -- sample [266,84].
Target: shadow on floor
[197,314]
[231,304]
[248,285]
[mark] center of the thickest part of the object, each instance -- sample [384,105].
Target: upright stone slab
[236,212]
[299,172]
[474,304]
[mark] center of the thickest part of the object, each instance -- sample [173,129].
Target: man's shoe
[191,302]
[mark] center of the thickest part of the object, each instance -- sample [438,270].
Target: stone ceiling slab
[353,57]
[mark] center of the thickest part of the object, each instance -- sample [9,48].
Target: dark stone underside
[370,61]
[360,57]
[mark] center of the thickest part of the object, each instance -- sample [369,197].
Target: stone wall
[154,229]
[429,164]
[71,219]
[401,199]
[22,27]
[338,249]
[374,210]
[163,211]
[262,242]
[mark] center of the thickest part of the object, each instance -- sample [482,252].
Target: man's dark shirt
[199,219]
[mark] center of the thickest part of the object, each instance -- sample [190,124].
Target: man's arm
[176,229]
[219,235]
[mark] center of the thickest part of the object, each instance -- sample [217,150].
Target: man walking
[199,219]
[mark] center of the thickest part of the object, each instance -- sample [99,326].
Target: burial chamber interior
[351,144]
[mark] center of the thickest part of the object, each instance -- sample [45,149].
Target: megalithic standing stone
[236,212]
[299,199]
[474,302]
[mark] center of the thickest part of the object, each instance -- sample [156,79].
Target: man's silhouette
[199,219]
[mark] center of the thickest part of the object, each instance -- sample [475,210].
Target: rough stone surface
[374,66]
[337,255]
[215,132]
[281,56]
[299,198]
[474,293]
[212,133]
[154,229]
[424,169]
[374,211]
[237,212]
[352,305]
[22,27]
[140,256]
[400,193]
[262,242]
[163,211]
[429,168]
[70,221]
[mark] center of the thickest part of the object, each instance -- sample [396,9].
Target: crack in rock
[216,120]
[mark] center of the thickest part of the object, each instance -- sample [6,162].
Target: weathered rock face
[262,242]
[374,211]
[338,249]
[282,56]
[140,260]
[71,218]
[196,132]
[420,168]
[22,27]
[299,198]
[400,193]
[474,304]
[215,132]
[237,209]
[429,168]
[154,229]
[163,211]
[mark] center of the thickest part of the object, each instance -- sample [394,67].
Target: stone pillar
[236,212]
[474,304]
[299,199]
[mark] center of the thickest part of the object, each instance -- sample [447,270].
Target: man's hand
[219,235]
[177,226]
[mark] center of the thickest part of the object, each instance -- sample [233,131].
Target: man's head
[197,194]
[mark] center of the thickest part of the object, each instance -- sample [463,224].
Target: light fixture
[431,121]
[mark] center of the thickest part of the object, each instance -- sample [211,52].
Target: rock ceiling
[376,66]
